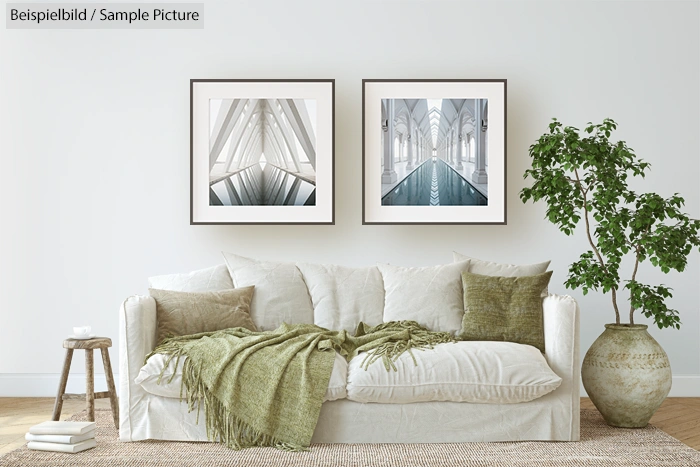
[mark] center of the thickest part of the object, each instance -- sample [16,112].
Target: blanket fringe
[419,338]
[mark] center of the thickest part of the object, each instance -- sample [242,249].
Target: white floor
[466,172]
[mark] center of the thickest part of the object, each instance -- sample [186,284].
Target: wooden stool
[102,343]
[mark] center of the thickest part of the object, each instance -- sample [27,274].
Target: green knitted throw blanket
[266,388]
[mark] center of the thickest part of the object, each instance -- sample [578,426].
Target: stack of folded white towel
[62,436]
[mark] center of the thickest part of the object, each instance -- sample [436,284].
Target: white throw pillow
[469,371]
[431,296]
[343,296]
[489,268]
[150,373]
[211,279]
[280,292]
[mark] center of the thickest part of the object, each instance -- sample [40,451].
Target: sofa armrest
[561,343]
[137,338]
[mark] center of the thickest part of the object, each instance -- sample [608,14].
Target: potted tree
[583,176]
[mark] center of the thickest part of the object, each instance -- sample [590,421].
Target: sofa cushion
[490,268]
[183,313]
[479,372]
[504,308]
[343,296]
[280,292]
[150,373]
[202,280]
[431,296]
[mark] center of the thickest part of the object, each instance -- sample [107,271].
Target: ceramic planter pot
[627,375]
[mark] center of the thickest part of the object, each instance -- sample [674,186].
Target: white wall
[94,138]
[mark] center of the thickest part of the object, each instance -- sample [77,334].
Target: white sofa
[409,409]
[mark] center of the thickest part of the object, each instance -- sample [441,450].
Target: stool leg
[58,405]
[90,385]
[110,386]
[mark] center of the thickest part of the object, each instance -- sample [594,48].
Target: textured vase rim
[626,327]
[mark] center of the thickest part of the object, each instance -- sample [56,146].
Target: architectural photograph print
[262,151]
[432,158]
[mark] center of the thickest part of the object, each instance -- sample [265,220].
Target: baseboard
[46,384]
[682,386]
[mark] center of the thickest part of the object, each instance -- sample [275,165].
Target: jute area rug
[600,445]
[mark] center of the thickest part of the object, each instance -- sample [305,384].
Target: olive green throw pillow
[504,308]
[183,313]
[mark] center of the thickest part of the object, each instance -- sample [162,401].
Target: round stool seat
[93,343]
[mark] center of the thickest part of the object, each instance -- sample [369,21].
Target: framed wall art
[434,151]
[262,151]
